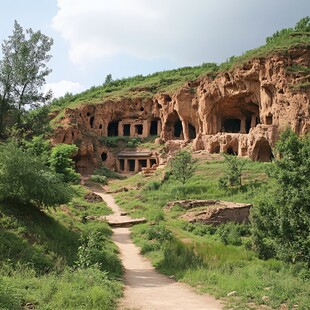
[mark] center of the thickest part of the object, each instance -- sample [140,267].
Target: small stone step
[128,223]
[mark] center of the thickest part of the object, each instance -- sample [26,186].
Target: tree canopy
[281,219]
[23,71]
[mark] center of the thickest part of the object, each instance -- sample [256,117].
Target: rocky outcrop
[238,112]
[212,212]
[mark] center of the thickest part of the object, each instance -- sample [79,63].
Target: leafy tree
[23,71]
[233,173]
[25,179]
[108,79]
[183,166]
[61,161]
[281,219]
[39,147]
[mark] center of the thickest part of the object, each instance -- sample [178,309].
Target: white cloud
[61,88]
[186,32]
[141,28]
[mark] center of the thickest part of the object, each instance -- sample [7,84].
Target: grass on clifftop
[168,81]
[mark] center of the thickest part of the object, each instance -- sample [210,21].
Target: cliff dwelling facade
[240,112]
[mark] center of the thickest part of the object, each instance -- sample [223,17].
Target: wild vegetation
[228,258]
[51,257]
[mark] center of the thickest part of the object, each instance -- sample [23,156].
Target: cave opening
[104,156]
[232,125]
[139,129]
[269,119]
[131,164]
[153,128]
[121,164]
[91,121]
[248,125]
[191,131]
[262,151]
[215,148]
[231,151]
[126,130]
[113,129]
[178,128]
[142,163]
[174,128]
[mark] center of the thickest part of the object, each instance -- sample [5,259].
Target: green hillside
[168,81]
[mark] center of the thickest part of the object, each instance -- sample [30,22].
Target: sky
[94,38]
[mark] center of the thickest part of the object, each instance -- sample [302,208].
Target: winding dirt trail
[145,288]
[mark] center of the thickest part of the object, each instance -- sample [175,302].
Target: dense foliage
[61,161]
[281,220]
[25,179]
[23,71]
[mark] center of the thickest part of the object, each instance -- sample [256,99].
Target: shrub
[108,173]
[96,251]
[183,166]
[134,142]
[61,162]
[25,179]
[231,233]
[99,179]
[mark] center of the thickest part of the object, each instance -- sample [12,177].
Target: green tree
[25,179]
[233,173]
[108,79]
[183,166]
[61,161]
[281,219]
[23,71]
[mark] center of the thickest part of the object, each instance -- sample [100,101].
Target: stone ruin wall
[239,112]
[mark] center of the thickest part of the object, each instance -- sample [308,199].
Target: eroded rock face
[212,212]
[239,112]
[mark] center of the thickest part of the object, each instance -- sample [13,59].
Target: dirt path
[145,288]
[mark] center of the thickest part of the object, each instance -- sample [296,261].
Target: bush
[152,186]
[108,173]
[231,233]
[99,179]
[61,162]
[96,251]
[25,179]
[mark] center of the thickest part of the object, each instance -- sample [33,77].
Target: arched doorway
[262,151]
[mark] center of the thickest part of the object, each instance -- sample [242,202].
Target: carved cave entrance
[126,130]
[113,129]
[174,126]
[132,161]
[238,115]
[154,128]
[139,129]
[104,156]
[262,151]
[131,164]
[191,131]
[215,148]
[232,125]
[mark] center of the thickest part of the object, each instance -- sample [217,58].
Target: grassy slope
[216,268]
[168,81]
[38,255]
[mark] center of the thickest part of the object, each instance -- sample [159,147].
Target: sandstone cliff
[239,112]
